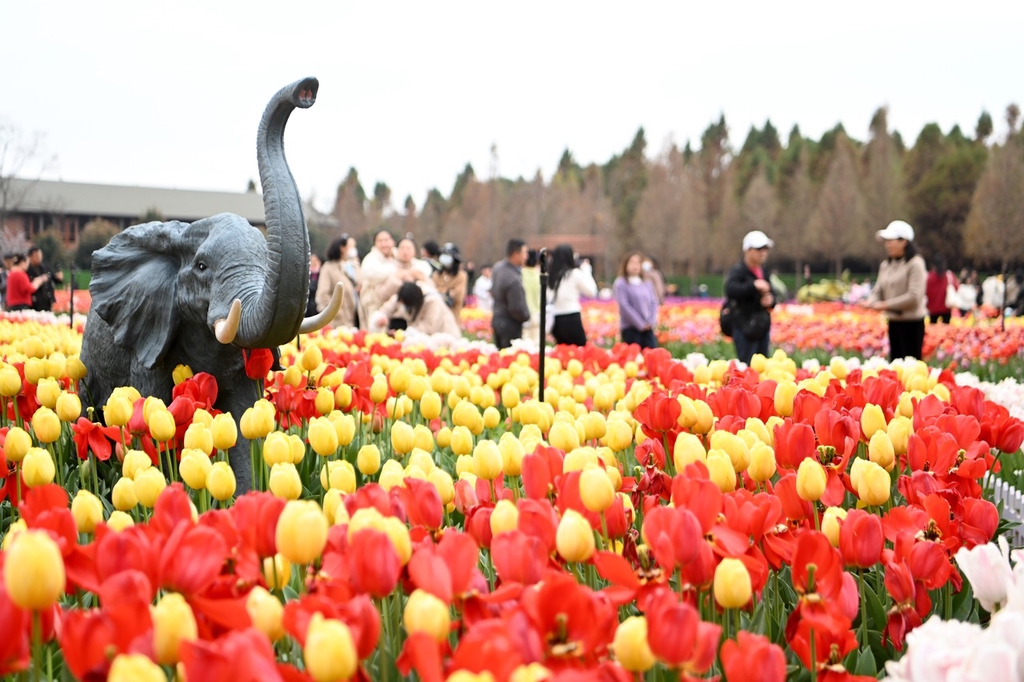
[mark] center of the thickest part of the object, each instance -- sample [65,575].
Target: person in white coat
[568,280]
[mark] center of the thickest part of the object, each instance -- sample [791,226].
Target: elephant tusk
[320,320]
[226,329]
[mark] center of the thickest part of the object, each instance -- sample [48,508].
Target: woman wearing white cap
[752,298]
[899,291]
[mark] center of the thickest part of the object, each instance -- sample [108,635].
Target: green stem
[814,660]
[37,646]
[863,609]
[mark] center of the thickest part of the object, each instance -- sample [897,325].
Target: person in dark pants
[568,280]
[509,307]
[900,291]
[638,302]
[754,299]
[936,286]
[45,295]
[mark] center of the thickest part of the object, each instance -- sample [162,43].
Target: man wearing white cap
[900,290]
[751,297]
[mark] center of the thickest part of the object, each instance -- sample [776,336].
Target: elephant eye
[201,266]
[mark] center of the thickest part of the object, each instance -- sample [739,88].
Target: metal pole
[542,258]
[71,298]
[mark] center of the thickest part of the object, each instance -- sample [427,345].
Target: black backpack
[726,317]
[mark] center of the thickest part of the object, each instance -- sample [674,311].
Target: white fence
[1013,506]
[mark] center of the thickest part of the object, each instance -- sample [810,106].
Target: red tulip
[861,539]
[753,658]
[518,557]
[374,565]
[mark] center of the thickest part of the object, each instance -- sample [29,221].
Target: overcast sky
[170,94]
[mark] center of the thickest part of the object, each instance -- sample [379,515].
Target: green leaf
[289,593]
[964,605]
[876,609]
[866,665]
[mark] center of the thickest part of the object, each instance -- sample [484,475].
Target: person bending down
[426,312]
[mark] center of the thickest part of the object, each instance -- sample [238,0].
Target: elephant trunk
[274,317]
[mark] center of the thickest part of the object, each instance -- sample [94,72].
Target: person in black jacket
[45,296]
[747,285]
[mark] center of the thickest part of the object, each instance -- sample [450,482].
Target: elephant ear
[133,287]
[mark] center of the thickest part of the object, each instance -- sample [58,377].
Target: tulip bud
[224,431]
[322,436]
[734,446]
[123,495]
[512,454]
[444,437]
[149,483]
[462,441]
[427,614]
[899,431]
[830,523]
[872,420]
[368,459]
[732,584]
[430,405]
[810,480]
[379,389]
[119,520]
[338,475]
[277,448]
[46,425]
[505,517]
[301,531]
[47,392]
[277,571]
[564,436]
[87,510]
[285,482]
[596,489]
[181,373]
[881,451]
[17,444]
[344,427]
[398,534]
[266,612]
[220,481]
[762,463]
[873,484]
[34,570]
[630,645]
[10,382]
[330,652]
[135,668]
[161,425]
[721,471]
[487,460]
[618,435]
[785,392]
[705,417]
[198,437]
[173,623]
[574,538]
[117,411]
[37,468]
[135,462]
[324,402]
[402,437]
[442,480]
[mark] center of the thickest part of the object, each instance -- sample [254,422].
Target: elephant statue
[173,293]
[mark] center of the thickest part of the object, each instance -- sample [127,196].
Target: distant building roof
[79,198]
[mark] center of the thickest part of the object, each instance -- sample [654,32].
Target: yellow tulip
[618,435]
[596,489]
[368,459]
[10,382]
[398,534]
[705,417]
[312,357]
[221,481]
[379,390]
[873,486]
[135,461]
[505,517]
[198,437]
[732,584]
[75,369]
[688,449]
[34,570]
[491,417]
[899,431]
[117,410]
[224,431]
[266,613]
[762,463]
[338,475]
[430,405]
[324,402]
[343,396]
[149,483]
[564,436]
[181,373]
[135,668]
[344,426]
[574,538]
[872,420]
[403,438]
[285,482]
[277,448]
[785,392]
[630,645]
[277,571]
[442,480]
[259,422]
[161,425]
[721,471]
[47,392]
[427,614]
[462,440]
[810,480]
[487,460]
[322,436]
[17,444]
[37,469]
[881,450]
[301,531]
[830,523]
[329,652]
[87,511]
[119,520]
[123,495]
[173,623]
[512,454]
[46,425]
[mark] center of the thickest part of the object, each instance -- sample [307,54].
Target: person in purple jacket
[638,302]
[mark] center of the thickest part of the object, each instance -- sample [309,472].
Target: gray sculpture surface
[172,293]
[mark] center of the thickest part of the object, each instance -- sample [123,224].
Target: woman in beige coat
[900,291]
[426,312]
[332,272]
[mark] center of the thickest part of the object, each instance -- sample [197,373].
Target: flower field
[418,512]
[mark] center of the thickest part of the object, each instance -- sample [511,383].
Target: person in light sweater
[567,282]
[638,302]
[426,311]
[900,291]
